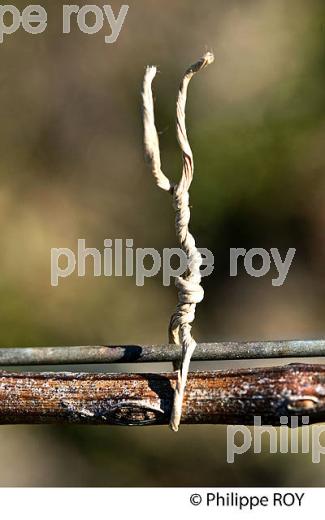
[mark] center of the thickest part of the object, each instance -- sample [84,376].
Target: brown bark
[223,397]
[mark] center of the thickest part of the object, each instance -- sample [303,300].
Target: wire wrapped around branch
[189,287]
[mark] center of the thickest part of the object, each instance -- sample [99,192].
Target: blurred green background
[71,166]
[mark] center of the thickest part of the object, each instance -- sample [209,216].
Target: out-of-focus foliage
[71,166]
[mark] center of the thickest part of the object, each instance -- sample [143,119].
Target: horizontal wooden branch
[155,353]
[223,397]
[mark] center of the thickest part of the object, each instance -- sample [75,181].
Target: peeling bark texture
[222,397]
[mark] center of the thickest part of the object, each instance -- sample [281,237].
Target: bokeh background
[71,166]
